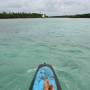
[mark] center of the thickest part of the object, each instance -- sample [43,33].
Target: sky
[49,7]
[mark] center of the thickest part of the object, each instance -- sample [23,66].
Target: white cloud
[51,7]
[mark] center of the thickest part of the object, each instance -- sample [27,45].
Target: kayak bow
[44,71]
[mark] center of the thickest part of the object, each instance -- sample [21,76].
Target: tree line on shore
[6,15]
[21,15]
[73,16]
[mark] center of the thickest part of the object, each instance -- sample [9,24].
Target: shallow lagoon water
[26,43]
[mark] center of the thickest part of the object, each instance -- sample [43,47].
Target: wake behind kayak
[44,71]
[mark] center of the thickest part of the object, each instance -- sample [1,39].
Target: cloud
[50,7]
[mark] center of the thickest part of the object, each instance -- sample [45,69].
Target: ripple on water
[69,81]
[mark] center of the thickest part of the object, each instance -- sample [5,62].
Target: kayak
[44,71]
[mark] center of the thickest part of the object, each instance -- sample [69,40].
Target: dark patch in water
[1,86]
[74,51]
[4,44]
[1,64]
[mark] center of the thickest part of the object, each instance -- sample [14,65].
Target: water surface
[26,43]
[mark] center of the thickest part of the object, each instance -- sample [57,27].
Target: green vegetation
[5,15]
[21,15]
[73,16]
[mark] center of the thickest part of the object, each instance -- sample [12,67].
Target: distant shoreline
[72,16]
[13,15]
[23,15]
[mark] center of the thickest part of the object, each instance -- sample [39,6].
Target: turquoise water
[26,43]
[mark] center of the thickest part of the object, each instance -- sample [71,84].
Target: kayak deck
[43,72]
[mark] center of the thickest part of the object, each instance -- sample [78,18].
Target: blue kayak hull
[44,71]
